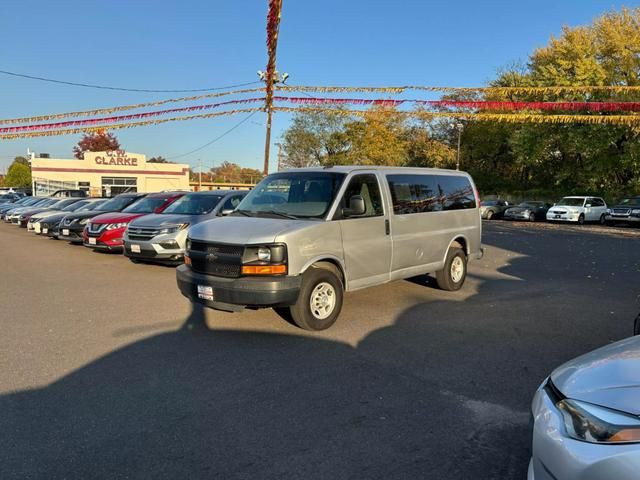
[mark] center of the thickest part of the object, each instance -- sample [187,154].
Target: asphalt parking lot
[108,372]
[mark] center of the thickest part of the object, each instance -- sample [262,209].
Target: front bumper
[233,294]
[72,233]
[563,217]
[556,456]
[106,240]
[163,248]
[515,216]
[621,219]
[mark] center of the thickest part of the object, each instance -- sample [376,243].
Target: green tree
[18,175]
[158,159]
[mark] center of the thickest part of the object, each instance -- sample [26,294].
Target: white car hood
[608,376]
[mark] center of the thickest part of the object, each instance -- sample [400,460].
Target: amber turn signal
[187,260]
[264,269]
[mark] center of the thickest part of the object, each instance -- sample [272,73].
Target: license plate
[65,232]
[92,241]
[135,248]
[558,216]
[45,230]
[205,292]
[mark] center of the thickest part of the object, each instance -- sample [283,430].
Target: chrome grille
[621,211]
[96,227]
[142,233]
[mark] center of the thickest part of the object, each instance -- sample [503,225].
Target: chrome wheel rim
[322,301]
[457,269]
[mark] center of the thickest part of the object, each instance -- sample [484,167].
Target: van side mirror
[356,207]
[588,205]
[226,211]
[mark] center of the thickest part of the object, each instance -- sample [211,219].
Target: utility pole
[270,77]
[200,175]
[459,126]
[279,145]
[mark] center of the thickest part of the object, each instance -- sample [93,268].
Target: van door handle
[387,227]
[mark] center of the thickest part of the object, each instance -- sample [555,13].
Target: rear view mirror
[226,211]
[356,207]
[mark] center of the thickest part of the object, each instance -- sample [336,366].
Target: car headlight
[175,229]
[115,226]
[83,221]
[188,243]
[635,211]
[608,211]
[594,424]
[527,212]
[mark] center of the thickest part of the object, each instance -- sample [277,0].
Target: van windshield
[293,194]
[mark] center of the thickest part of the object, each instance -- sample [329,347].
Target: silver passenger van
[303,237]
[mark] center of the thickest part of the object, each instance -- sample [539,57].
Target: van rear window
[430,193]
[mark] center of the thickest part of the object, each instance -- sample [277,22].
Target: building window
[112,186]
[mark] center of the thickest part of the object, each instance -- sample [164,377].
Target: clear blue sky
[197,44]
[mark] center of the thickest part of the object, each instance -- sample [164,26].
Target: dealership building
[107,174]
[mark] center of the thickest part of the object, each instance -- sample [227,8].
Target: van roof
[386,169]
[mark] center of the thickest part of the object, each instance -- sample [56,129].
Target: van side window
[430,193]
[365,185]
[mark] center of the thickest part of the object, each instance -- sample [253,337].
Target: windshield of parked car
[632,202]
[91,206]
[146,205]
[62,204]
[115,204]
[293,194]
[571,202]
[74,206]
[530,205]
[194,204]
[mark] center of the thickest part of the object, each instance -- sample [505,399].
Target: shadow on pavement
[443,393]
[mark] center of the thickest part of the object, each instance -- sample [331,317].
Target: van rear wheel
[320,300]
[454,273]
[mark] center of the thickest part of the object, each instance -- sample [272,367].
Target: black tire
[489,214]
[134,260]
[445,276]
[532,217]
[302,314]
[581,219]
[603,220]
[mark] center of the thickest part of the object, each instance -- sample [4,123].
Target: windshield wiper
[279,214]
[246,213]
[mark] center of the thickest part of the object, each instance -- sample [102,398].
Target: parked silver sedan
[586,417]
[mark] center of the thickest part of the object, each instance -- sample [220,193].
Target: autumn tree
[100,141]
[158,159]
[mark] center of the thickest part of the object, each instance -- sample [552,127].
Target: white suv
[578,209]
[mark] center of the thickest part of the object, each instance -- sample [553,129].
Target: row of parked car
[576,209]
[145,226]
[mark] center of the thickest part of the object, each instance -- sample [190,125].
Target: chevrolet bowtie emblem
[211,257]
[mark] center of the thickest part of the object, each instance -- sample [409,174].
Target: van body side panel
[367,251]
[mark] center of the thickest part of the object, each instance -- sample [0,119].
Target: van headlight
[264,254]
[268,259]
[594,424]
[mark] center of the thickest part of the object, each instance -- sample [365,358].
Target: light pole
[459,126]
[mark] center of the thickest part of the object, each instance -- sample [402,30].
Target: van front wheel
[320,300]
[454,273]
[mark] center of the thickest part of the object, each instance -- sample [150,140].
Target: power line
[215,139]
[103,87]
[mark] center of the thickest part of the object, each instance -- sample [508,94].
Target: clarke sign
[116,157]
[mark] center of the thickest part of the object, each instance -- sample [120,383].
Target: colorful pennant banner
[51,133]
[99,111]
[631,120]
[556,90]
[121,118]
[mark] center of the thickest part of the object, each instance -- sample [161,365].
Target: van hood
[116,217]
[244,230]
[608,376]
[162,219]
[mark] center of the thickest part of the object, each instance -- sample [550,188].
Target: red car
[104,232]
